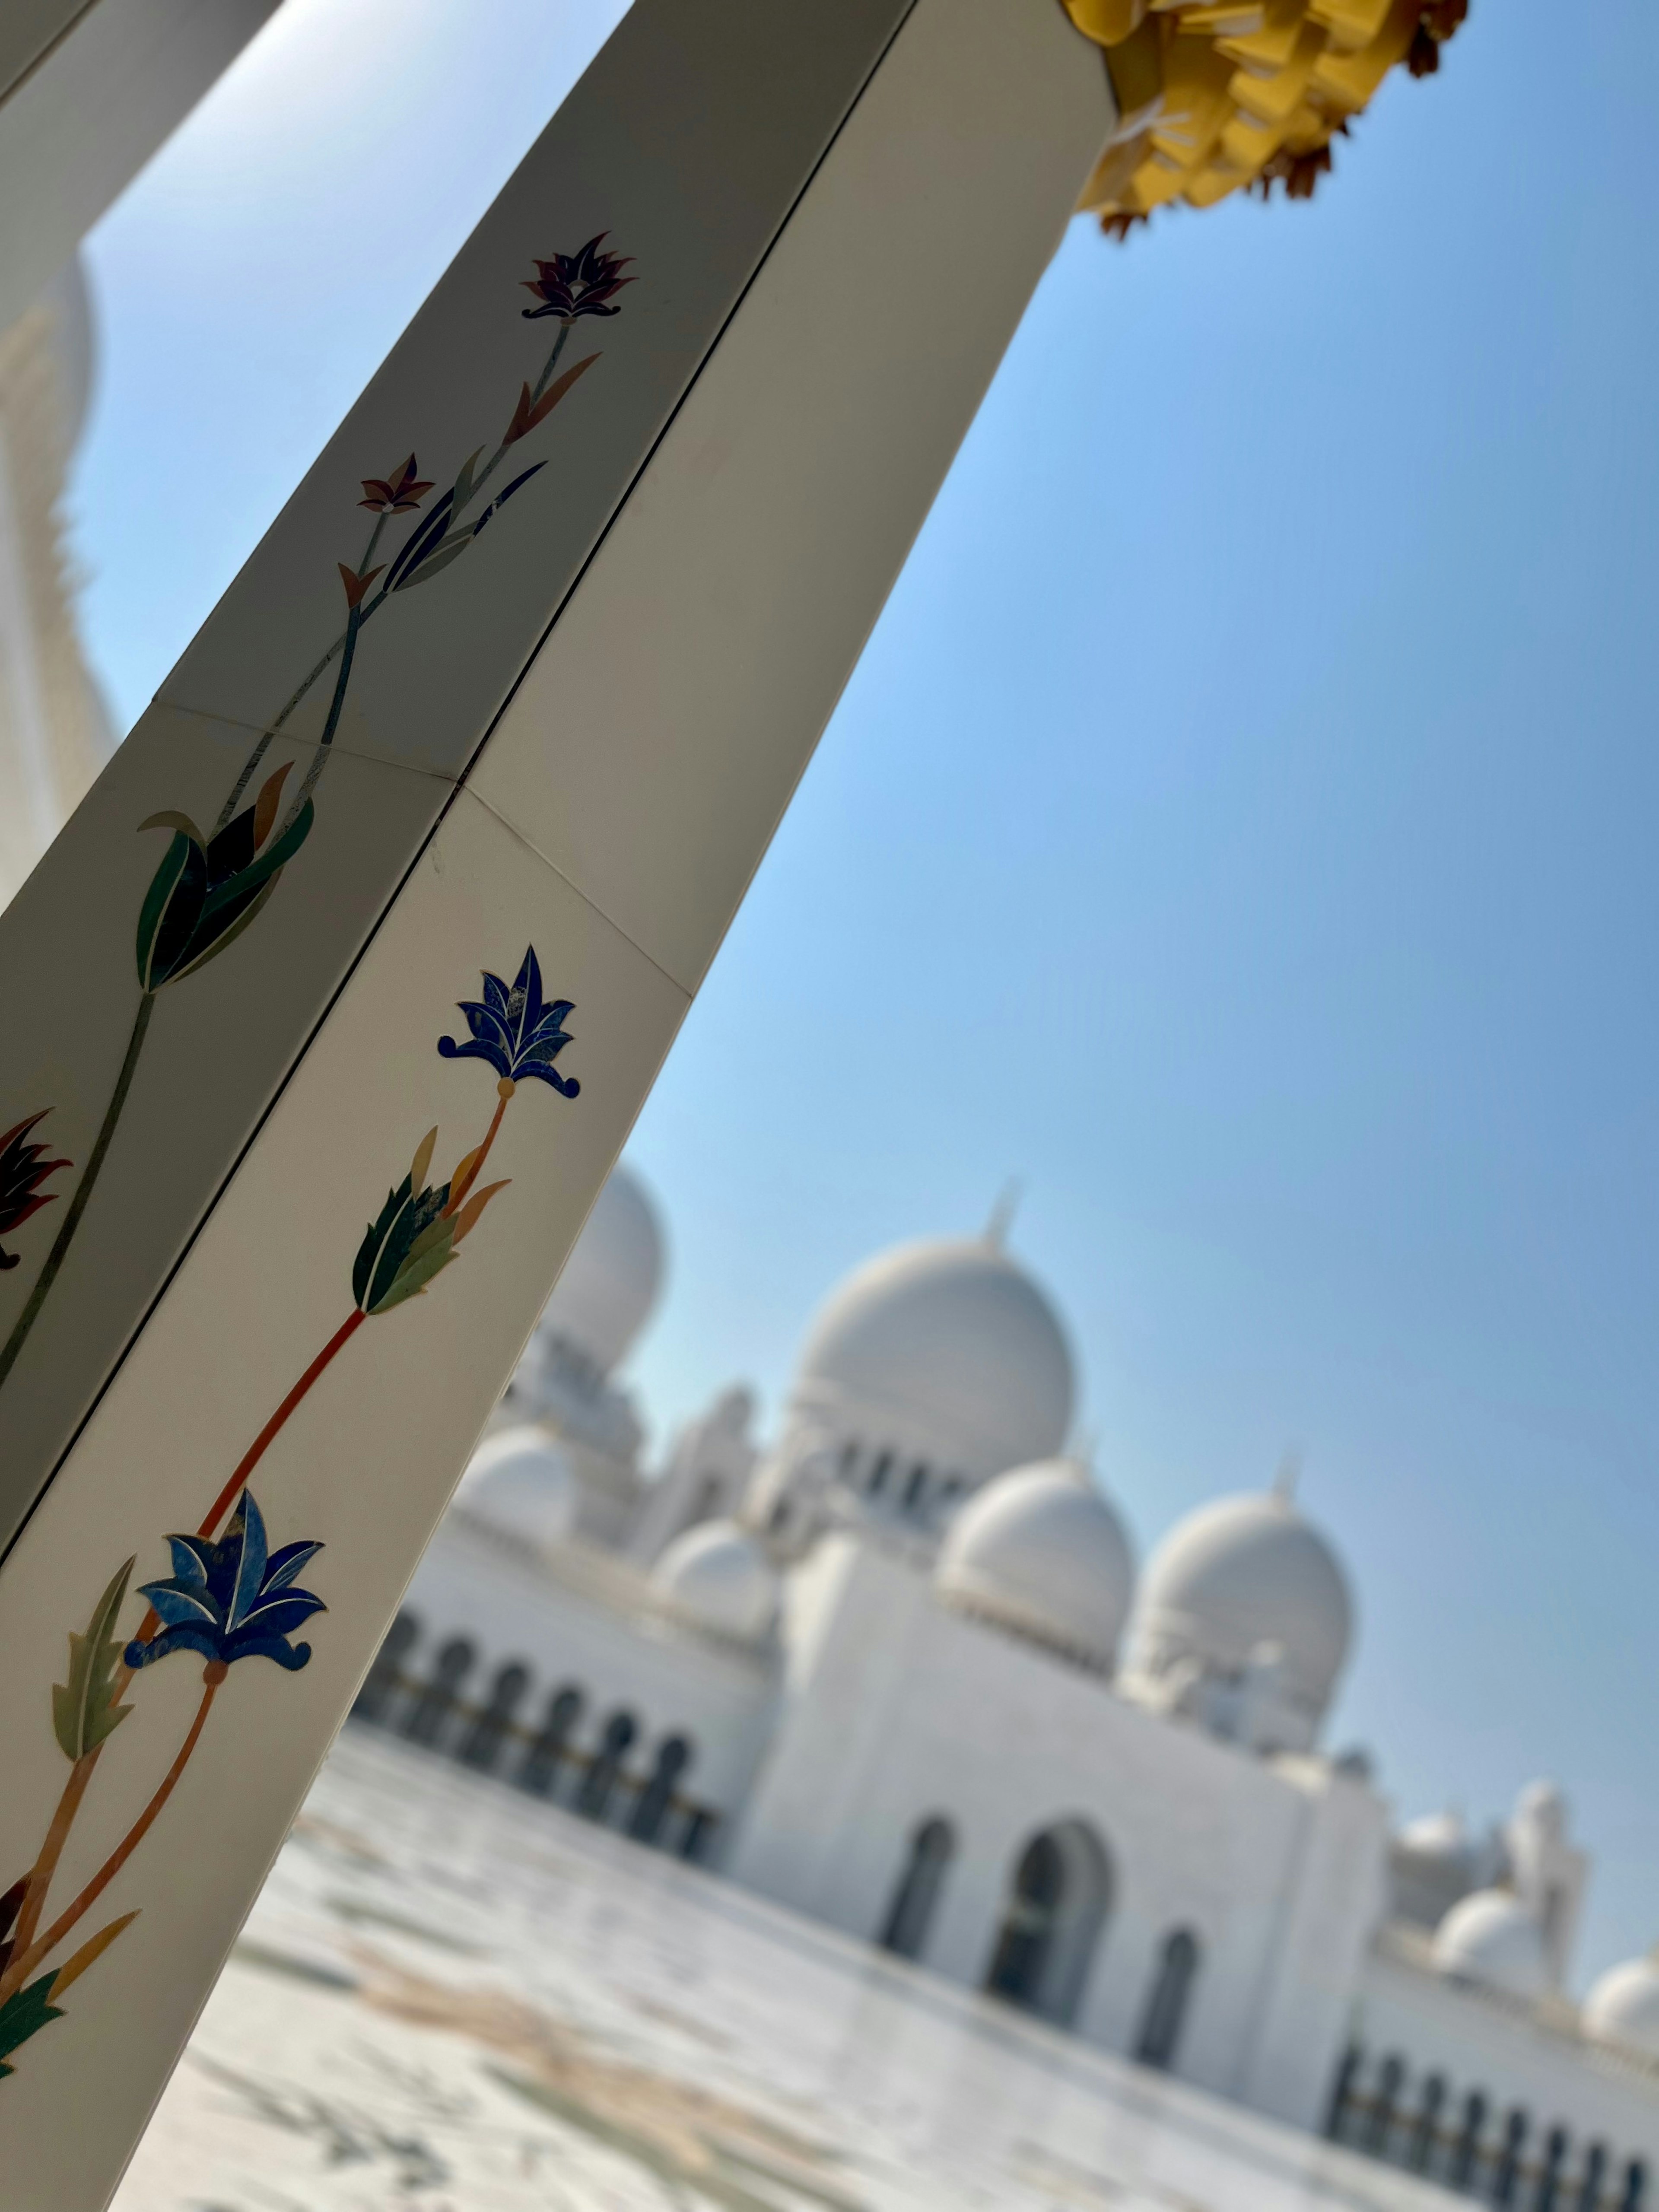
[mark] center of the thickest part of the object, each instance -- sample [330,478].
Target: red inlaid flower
[382,496]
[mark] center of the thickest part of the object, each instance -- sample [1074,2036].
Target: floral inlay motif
[211,885]
[230,1596]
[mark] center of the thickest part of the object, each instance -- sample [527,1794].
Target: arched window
[1424,2133]
[481,1745]
[915,1483]
[600,1778]
[1166,2004]
[429,1716]
[1636,2187]
[848,1460]
[1508,2159]
[1336,2114]
[1596,2168]
[1467,2148]
[1549,2184]
[1058,1900]
[385,1678]
[880,1473]
[916,1894]
[540,1770]
[1383,2102]
[651,1807]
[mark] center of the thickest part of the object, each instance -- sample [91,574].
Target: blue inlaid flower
[232,1599]
[518,1033]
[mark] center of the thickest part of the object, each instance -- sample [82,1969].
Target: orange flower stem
[24,1964]
[273,1428]
[505,1088]
[45,1865]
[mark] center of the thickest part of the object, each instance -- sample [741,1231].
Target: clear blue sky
[1242,825]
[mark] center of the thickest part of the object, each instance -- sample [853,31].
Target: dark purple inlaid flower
[232,1599]
[23,1168]
[585,282]
[383,495]
[518,1033]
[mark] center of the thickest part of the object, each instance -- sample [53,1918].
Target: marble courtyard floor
[451,1998]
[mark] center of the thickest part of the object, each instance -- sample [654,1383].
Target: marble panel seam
[340,746]
[680,990]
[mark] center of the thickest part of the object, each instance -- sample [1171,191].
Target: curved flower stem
[346,640]
[81,1773]
[347,637]
[25,1962]
[77,1205]
[256,1451]
[505,1088]
[51,1850]
[541,385]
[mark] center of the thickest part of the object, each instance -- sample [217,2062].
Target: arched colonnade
[604,1771]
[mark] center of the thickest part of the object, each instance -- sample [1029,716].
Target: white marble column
[338,995]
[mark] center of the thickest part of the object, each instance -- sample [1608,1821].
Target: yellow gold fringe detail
[1232,95]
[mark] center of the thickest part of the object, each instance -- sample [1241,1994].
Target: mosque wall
[474,1584]
[1476,2040]
[898,1712]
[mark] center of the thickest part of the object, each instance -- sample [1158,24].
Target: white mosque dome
[610,1281]
[717,1577]
[1239,1573]
[1623,2007]
[521,1482]
[1040,1552]
[1491,1938]
[949,1345]
[1438,1842]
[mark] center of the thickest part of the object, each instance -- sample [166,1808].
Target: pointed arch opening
[916,1892]
[1058,1896]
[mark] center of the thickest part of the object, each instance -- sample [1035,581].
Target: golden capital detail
[1215,99]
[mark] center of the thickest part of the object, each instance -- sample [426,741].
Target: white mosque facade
[898,1672]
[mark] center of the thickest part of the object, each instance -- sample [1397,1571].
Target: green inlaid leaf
[24,2013]
[84,1713]
[464,482]
[448,550]
[415,1274]
[158,898]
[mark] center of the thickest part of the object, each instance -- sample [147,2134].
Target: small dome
[1491,1938]
[952,1343]
[1040,1552]
[716,1577]
[1436,1842]
[1238,1573]
[610,1281]
[1623,2007]
[521,1482]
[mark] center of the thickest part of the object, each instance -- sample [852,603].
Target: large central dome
[946,1346]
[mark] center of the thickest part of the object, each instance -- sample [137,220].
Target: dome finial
[1003,1212]
[1289,1474]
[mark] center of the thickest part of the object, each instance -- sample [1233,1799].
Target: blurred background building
[86,95]
[897,1669]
